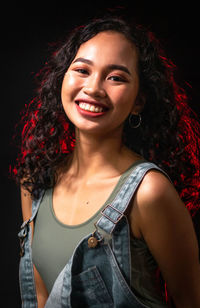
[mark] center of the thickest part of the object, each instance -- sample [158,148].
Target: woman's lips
[89,113]
[90,108]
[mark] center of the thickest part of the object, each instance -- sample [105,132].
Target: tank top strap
[35,205]
[114,211]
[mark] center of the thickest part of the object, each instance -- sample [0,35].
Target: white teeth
[90,108]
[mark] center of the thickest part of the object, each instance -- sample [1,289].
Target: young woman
[103,225]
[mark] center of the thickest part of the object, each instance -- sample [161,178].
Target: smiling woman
[104,225]
[103,78]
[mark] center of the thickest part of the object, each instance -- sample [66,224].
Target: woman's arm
[41,290]
[166,226]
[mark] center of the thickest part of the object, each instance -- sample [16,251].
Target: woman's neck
[97,156]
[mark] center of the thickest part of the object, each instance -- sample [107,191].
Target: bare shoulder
[157,191]
[156,202]
[159,213]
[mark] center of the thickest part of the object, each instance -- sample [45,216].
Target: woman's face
[101,85]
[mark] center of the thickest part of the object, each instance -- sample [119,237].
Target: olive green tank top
[54,242]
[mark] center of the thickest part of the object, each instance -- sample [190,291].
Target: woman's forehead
[109,47]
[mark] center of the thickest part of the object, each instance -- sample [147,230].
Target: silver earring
[132,122]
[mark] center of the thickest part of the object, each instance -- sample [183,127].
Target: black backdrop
[26,30]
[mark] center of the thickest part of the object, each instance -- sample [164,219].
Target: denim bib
[99,272]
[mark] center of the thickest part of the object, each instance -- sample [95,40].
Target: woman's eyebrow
[119,67]
[111,66]
[83,60]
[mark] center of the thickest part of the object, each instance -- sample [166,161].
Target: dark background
[27,28]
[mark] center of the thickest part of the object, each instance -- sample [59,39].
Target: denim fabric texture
[96,277]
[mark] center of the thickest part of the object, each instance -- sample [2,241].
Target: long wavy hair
[169,134]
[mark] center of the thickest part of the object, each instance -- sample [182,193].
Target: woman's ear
[138,104]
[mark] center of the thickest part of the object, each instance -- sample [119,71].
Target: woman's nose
[94,87]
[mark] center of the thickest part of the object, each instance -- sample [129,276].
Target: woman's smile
[91,108]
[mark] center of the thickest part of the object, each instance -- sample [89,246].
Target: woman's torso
[54,243]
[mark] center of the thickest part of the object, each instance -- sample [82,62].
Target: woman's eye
[116,78]
[81,71]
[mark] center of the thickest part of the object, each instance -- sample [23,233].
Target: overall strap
[35,207]
[26,275]
[24,227]
[113,212]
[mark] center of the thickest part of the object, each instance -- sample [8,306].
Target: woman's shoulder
[156,186]
[156,201]
[157,197]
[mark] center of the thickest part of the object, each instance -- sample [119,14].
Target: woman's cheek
[69,80]
[121,96]
[70,86]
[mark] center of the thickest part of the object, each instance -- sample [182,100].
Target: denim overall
[99,272]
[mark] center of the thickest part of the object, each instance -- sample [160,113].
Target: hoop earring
[131,120]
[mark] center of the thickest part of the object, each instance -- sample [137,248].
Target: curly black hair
[168,135]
